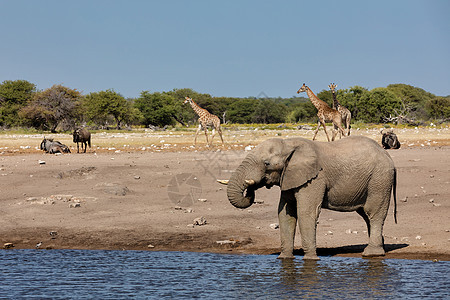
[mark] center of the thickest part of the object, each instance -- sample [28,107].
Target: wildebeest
[83,136]
[389,139]
[52,147]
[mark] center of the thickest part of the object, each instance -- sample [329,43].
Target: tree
[302,112]
[103,105]
[157,109]
[14,95]
[414,98]
[351,99]
[378,104]
[269,112]
[242,110]
[438,108]
[51,107]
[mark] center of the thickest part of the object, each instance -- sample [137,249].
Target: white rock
[199,221]
[274,226]
[8,245]
[230,242]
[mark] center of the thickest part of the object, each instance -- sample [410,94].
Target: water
[69,274]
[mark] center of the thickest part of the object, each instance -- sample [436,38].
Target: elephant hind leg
[361,212]
[374,224]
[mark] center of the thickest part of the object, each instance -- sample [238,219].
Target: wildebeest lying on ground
[83,136]
[52,147]
[389,139]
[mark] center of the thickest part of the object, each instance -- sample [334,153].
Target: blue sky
[226,48]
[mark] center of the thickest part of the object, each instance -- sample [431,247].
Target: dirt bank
[138,199]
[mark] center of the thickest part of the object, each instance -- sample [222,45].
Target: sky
[233,48]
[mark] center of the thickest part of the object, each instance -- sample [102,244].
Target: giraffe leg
[317,130]
[338,125]
[325,129]
[206,135]
[220,133]
[196,134]
[335,132]
[341,130]
[348,125]
[213,134]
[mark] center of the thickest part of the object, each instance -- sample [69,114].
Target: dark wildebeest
[83,136]
[389,139]
[52,147]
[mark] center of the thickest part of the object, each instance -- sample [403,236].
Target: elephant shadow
[350,249]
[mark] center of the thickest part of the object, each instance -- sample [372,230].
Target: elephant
[83,136]
[352,174]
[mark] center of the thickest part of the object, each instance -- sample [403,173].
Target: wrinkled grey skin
[82,136]
[52,147]
[352,174]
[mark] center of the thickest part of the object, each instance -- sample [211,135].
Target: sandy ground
[143,191]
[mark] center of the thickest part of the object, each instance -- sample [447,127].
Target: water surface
[71,274]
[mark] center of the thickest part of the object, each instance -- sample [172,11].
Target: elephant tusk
[222,181]
[250,182]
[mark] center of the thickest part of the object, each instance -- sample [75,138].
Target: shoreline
[354,251]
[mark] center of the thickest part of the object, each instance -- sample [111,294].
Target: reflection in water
[314,278]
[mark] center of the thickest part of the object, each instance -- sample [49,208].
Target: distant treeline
[62,108]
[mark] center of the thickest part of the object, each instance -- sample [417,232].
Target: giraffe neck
[198,110]
[315,100]
[336,103]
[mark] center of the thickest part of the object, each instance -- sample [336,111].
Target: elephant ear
[301,166]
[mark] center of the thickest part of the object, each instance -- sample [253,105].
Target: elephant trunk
[243,183]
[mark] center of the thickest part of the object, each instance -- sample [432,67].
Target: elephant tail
[394,191]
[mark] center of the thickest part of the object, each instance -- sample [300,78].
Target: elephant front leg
[309,202]
[287,218]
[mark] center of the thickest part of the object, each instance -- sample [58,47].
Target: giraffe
[345,113]
[206,119]
[324,112]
